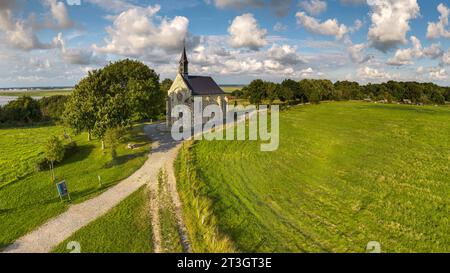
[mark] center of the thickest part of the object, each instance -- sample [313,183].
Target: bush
[70,149]
[43,165]
[237,94]
[53,107]
[23,110]
[447,94]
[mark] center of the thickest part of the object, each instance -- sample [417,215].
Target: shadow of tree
[81,154]
[123,159]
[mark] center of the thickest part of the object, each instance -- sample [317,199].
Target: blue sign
[62,189]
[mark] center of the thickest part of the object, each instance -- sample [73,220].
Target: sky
[56,42]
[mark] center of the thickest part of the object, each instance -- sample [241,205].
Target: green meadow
[28,198]
[124,229]
[345,174]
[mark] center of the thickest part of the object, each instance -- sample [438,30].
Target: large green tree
[291,90]
[256,91]
[81,109]
[115,96]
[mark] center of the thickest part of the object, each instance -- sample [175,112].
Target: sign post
[62,190]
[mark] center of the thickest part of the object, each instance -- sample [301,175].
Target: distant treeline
[26,110]
[315,91]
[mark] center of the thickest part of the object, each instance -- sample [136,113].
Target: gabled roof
[202,86]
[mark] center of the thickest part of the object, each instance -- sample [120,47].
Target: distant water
[5,99]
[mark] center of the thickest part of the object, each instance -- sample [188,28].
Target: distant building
[186,87]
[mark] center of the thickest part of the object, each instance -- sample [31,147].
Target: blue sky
[55,42]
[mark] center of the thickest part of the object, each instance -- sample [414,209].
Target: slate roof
[202,86]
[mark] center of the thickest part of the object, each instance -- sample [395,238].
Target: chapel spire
[184,63]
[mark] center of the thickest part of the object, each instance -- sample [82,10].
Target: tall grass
[170,235]
[198,208]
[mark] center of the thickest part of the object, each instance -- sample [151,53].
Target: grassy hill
[345,174]
[28,198]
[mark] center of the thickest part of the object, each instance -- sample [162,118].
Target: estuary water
[5,99]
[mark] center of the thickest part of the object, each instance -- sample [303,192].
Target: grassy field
[125,229]
[28,198]
[345,174]
[36,93]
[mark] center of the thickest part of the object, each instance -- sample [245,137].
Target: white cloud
[420,70]
[77,56]
[134,33]
[306,72]
[313,7]
[330,27]
[446,57]
[285,54]
[40,64]
[211,58]
[356,53]
[434,51]
[356,26]
[59,13]
[390,22]
[245,33]
[279,27]
[406,56]
[368,73]
[19,33]
[436,30]
[438,73]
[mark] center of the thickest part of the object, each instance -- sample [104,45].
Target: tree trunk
[53,171]
[89,135]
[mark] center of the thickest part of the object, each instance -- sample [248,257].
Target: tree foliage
[315,91]
[256,91]
[23,110]
[53,107]
[115,96]
[165,85]
[54,152]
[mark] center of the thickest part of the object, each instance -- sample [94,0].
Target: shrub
[237,94]
[42,165]
[70,149]
[447,94]
[53,107]
[23,110]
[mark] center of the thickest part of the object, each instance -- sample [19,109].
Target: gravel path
[178,209]
[56,230]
